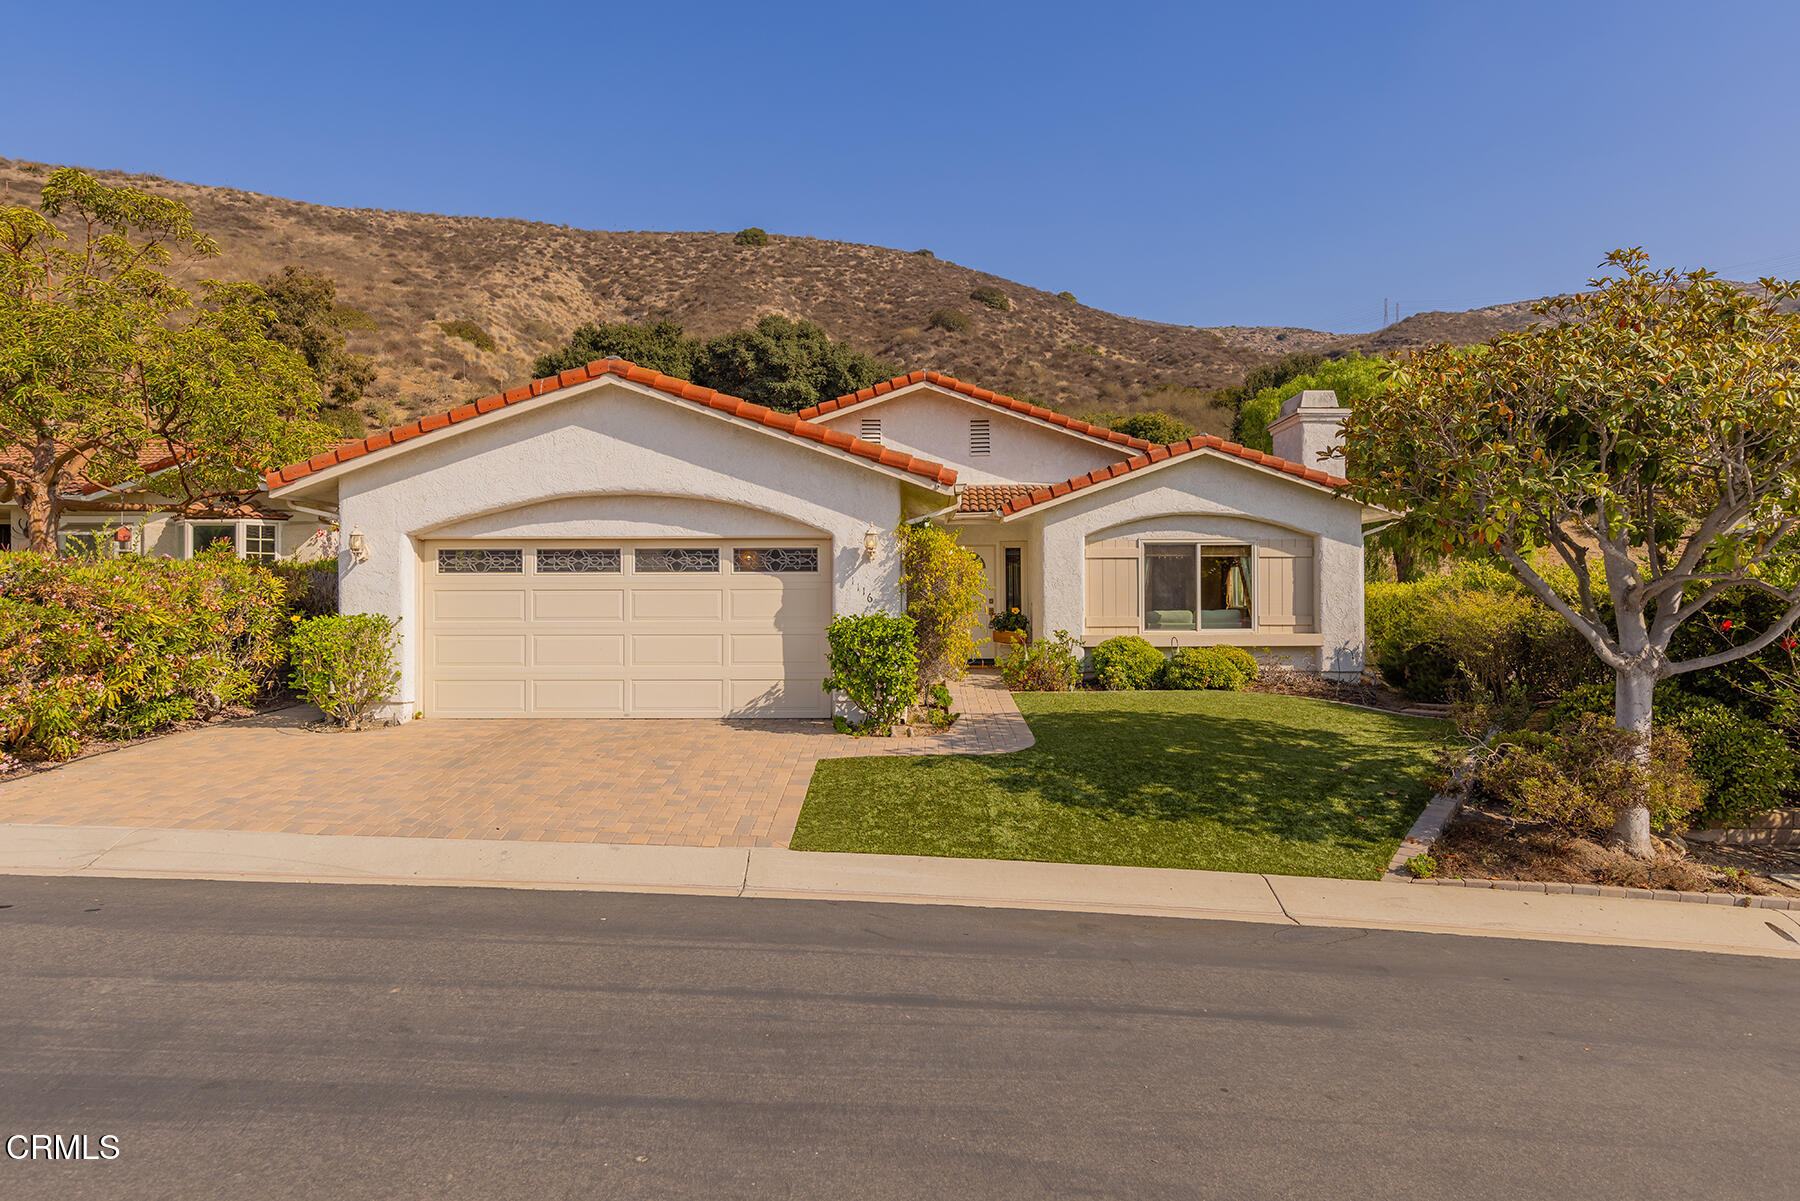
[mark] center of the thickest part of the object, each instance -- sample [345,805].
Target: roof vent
[871,430]
[980,436]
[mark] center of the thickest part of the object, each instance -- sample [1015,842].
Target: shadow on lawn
[1304,784]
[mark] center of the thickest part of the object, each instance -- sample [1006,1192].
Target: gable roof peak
[987,396]
[669,385]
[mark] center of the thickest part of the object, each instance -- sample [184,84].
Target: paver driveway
[674,782]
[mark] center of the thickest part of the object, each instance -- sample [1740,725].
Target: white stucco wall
[158,535]
[633,516]
[1207,487]
[934,425]
[593,446]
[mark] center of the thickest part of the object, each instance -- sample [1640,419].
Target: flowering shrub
[1127,662]
[122,647]
[1048,665]
[874,662]
[345,665]
[944,585]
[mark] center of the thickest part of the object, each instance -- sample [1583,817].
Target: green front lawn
[1225,781]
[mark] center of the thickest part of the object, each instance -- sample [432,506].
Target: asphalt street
[323,1042]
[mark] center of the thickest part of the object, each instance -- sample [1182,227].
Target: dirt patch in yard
[1484,844]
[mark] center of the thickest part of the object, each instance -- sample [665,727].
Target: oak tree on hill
[304,313]
[1650,439]
[786,365]
[106,363]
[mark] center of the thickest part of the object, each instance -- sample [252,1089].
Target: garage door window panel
[776,559]
[676,560]
[579,560]
[483,561]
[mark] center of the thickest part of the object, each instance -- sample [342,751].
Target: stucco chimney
[1310,424]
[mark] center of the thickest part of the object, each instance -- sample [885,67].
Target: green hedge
[1195,667]
[345,665]
[874,662]
[1127,663]
[119,648]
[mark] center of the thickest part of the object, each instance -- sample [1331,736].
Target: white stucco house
[614,542]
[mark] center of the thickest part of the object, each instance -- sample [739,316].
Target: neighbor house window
[1170,593]
[1225,588]
[83,540]
[254,540]
[259,542]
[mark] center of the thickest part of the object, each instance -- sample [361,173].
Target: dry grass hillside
[526,285]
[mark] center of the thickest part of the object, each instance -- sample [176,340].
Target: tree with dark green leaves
[1152,425]
[660,347]
[107,364]
[304,313]
[787,365]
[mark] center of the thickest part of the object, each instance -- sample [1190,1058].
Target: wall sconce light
[359,545]
[871,541]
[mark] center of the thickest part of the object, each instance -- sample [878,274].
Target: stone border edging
[1739,900]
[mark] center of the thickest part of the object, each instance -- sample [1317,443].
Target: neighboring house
[615,542]
[94,515]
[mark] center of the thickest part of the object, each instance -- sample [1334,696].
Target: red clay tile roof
[150,461]
[991,498]
[982,394]
[787,423]
[1158,454]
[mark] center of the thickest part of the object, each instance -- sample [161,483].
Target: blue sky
[1210,164]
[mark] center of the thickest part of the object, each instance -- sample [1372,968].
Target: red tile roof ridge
[985,395]
[1160,454]
[787,423]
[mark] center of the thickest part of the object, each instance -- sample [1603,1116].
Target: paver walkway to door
[670,782]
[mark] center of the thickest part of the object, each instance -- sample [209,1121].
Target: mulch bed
[1374,695]
[1483,843]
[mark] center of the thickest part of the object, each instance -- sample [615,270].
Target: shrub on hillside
[120,648]
[1126,663]
[751,237]
[1068,296]
[1153,426]
[874,662]
[952,320]
[345,665]
[992,297]
[1195,667]
[924,254]
[469,332]
[1048,665]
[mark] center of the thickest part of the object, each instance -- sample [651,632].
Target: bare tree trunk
[1632,693]
[40,509]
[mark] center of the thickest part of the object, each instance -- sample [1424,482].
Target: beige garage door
[626,629]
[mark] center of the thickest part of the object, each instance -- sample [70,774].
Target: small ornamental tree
[1650,439]
[106,364]
[945,587]
[874,662]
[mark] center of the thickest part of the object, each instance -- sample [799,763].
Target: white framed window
[1197,586]
[253,540]
[871,430]
[981,436]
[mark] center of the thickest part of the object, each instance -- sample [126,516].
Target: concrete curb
[1740,900]
[778,873]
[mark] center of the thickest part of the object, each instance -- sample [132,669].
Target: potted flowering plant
[1011,626]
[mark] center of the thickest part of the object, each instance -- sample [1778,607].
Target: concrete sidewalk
[773,872]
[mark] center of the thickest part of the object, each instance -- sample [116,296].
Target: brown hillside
[528,284]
